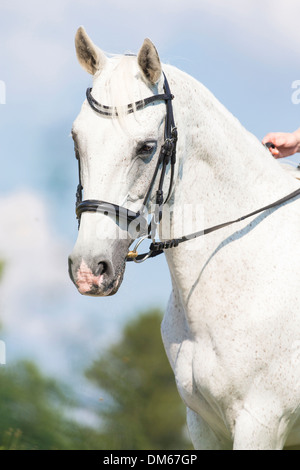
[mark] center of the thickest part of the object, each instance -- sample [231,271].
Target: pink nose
[86,280]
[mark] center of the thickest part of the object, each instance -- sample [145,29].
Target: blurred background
[75,372]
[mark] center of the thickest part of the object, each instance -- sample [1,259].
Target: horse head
[117,153]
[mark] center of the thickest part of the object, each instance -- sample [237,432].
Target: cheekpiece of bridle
[166,158]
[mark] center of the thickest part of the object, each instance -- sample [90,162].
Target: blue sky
[245,52]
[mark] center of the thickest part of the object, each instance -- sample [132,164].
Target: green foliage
[31,410]
[146,412]
[142,412]
[34,408]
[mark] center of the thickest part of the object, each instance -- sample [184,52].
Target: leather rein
[167,157]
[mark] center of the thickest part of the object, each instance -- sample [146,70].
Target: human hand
[285,143]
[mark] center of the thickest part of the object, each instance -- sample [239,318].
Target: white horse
[232,326]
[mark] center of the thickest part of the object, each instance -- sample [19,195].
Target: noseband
[167,156]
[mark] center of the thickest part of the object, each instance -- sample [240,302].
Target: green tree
[35,410]
[144,410]
[35,413]
[32,410]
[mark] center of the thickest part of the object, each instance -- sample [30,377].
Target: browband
[128,109]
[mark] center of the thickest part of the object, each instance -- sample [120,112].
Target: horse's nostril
[102,268]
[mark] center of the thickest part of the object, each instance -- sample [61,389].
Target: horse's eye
[146,148]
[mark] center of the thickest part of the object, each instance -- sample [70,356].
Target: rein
[157,248]
[167,156]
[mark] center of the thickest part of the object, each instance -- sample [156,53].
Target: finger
[277,154]
[269,138]
[273,150]
[277,138]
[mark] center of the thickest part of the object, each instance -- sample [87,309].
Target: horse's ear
[148,60]
[90,57]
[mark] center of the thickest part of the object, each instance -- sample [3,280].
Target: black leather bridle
[167,156]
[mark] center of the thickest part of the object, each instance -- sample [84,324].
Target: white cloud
[41,61]
[42,314]
[34,268]
[38,38]
[260,26]
[44,11]
[26,241]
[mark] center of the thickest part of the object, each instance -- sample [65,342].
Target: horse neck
[220,164]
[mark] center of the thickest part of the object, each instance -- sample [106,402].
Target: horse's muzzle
[95,278]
